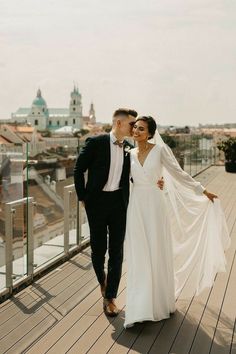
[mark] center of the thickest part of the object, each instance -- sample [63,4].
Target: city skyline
[174,59]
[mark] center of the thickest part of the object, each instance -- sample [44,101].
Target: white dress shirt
[116,166]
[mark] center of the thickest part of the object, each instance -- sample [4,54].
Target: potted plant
[229,148]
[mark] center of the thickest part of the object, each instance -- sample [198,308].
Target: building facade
[44,118]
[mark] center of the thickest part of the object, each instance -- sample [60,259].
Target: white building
[42,117]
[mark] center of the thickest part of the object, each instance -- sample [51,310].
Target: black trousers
[107,222]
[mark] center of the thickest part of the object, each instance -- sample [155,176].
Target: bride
[175,239]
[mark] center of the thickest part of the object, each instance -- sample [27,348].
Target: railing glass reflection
[48,175]
[39,209]
[193,152]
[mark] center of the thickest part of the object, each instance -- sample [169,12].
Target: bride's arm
[170,163]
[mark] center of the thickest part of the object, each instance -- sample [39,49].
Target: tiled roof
[4,141]
[59,111]
[24,129]
[22,111]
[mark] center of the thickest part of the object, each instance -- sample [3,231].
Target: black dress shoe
[110,307]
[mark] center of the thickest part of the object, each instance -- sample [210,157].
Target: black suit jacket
[95,159]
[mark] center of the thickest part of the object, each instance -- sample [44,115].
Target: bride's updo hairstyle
[151,123]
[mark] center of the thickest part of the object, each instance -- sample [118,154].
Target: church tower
[76,108]
[75,102]
[92,116]
[38,115]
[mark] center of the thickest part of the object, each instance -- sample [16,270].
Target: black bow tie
[120,144]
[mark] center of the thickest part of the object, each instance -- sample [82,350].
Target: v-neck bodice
[150,171]
[146,158]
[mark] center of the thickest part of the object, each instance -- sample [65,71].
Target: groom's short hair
[126,112]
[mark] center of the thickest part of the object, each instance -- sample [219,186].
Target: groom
[105,197]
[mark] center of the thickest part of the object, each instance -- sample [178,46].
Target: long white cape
[199,231]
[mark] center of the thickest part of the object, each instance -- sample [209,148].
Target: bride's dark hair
[151,123]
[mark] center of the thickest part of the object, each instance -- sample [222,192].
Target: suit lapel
[126,161]
[107,152]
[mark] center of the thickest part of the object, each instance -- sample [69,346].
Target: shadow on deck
[62,312]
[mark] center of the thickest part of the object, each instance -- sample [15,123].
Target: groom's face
[126,125]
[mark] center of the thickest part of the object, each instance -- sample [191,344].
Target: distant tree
[186,130]
[83,132]
[107,128]
[169,140]
[77,134]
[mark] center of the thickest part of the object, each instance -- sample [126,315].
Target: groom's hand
[161,183]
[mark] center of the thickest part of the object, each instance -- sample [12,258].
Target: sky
[172,59]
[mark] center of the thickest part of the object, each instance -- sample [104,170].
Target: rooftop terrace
[62,311]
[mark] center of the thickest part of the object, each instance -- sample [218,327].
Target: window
[36,122]
[43,109]
[66,123]
[39,113]
[73,108]
[73,121]
[50,122]
[74,102]
[58,123]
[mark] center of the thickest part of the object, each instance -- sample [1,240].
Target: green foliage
[229,149]
[169,140]
[84,131]
[107,128]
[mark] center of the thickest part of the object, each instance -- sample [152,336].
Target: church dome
[39,100]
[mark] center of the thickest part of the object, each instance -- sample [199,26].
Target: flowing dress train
[172,238]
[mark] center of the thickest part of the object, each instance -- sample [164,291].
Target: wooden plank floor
[62,312]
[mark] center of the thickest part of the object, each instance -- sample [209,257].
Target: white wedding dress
[175,238]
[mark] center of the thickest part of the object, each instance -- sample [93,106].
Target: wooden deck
[62,312]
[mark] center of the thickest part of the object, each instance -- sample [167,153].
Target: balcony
[61,312]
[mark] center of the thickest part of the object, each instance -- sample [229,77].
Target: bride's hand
[161,183]
[210,196]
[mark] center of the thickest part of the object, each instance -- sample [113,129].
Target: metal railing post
[79,222]
[9,249]
[30,238]
[67,194]
[71,221]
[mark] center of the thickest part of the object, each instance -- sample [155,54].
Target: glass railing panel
[48,223]
[12,163]
[207,148]
[19,242]
[187,154]
[48,174]
[70,218]
[73,220]
[193,152]
[2,244]
[199,149]
[195,158]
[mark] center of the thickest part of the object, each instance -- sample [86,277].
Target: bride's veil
[199,233]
